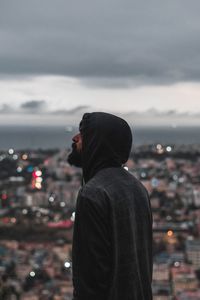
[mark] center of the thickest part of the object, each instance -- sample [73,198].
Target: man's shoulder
[93,197]
[108,179]
[113,176]
[97,187]
[111,185]
[92,191]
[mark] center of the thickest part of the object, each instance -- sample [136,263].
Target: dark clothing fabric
[112,241]
[112,245]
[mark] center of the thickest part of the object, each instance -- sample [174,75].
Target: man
[111,253]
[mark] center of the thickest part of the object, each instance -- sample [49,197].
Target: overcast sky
[131,57]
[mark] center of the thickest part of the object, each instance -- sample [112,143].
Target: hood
[106,142]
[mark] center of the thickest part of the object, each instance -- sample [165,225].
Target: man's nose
[76,138]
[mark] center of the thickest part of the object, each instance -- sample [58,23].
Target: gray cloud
[116,44]
[73,111]
[151,117]
[6,109]
[39,107]
[33,106]
[155,117]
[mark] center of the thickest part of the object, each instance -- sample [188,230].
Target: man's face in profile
[75,157]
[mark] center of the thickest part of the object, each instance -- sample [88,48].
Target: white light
[15,156]
[32,274]
[154,182]
[73,216]
[175,177]
[19,169]
[24,211]
[126,168]
[181,179]
[168,218]
[24,156]
[11,151]
[51,199]
[38,185]
[67,264]
[62,204]
[39,179]
[143,174]
[38,173]
[169,148]
[159,147]
[177,264]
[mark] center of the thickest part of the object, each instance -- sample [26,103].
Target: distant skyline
[136,59]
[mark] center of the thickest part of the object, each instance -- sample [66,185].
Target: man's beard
[75,158]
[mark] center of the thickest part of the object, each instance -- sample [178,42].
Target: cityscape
[38,191]
[60,59]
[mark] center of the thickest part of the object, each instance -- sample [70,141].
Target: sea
[49,137]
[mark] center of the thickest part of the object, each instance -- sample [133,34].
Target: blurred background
[60,59]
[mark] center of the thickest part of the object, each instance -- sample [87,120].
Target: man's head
[104,141]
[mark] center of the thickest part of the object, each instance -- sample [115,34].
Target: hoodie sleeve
[91,252]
